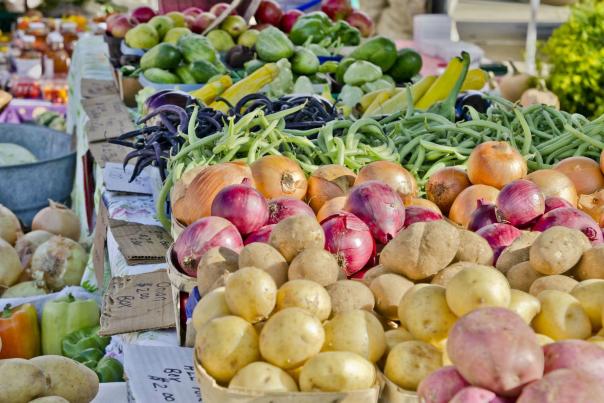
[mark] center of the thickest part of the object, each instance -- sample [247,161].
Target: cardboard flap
[104,152]
[98,247]
[139,243]
[137,303]
[91,88]
[108,117]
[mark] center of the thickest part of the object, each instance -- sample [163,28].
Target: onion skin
[201,236]
[485,214]
[495,163]
[59,220]
[445,185]
[328,182]
[554,183]
[10,266]
[262,235]
[243,206]
[499,236]
[378,206]
[466,202]
[415,214]
[520,202]
[26,245]
[331,207]
[284,207]
[571,218]
[419,202]
[554,202]
[10,227]
[350,240]
[392,174]
[59,262]
[277,176]
[196,202]
[584,172]
[592,204]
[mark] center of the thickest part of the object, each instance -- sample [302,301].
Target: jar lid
[54,37]
[28,38]
[37,25]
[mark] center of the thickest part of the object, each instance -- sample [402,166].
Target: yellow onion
[10,227]
[331,207]
[28,243]
[593,204]
[392,174]
[277,176]
[10,267]
[444,185]
[495,163]
[584,172]
[419,202]
[195,201]
[554,183]
[327,182]
[57,219]
[59,262]
[467,201]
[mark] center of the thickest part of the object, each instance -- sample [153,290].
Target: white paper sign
[116,178]
[161,374]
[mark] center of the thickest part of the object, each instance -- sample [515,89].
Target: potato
[473,248]
[347,295]
[445,275]
[212,305]
[554,282]
[473,394]
[68,379]
[522,276]
[225,345]
[591,265]
[337,371]
[427,315]
[294,234]
[410,362]
[517,252]
[477,287]
[561,317]
[263,377]
[396,336]
[50,399]
[590,294]
[356,331]
[214,268]
[404,300]
[251,293]
[290,337]
[315,264]
[441,385]
[557,250]
[597,340]
[525,305]
[575,354]
[307,295]
[21,381]
[543,339]
[421,250]
[563,385]
[372,273]
[264,257]
[480,346]
[388,289]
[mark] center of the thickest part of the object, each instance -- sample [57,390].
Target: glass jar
[56,58]
[29,61]
[39,32]
[70,35]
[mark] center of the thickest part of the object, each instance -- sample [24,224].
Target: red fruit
[119,26]
[362,22]
[269,12]
[219,8]
[192,11]
[199,23]
[336,9]
[288,20]
[142,14]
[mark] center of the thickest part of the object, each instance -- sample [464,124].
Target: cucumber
[163,56]
[160,76]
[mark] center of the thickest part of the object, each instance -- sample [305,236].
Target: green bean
[526,144]
[408,147]
[596,143]
[419,160]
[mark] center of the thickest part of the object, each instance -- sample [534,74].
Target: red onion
[284,207]
[499,236]
[485,214]
[571,218]
[347,237]
[243,206]
[260,235]
[378,206]
[201,236]
[520,202]
[415,214]
[554,202]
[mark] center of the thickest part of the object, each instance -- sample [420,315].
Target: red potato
[480,343]
[576,355]
[472,394]
[564,385]
[441,385]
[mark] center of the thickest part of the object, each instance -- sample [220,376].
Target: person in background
[394,18]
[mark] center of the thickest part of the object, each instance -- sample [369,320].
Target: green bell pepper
[110,370]
[64,316]
[347,34]
[329,67]
[76,342]
[342,67]
[273,45]
[361,72]
[308,29]
[319,16]
[305,62]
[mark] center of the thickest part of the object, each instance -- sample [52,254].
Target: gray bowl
[25,189]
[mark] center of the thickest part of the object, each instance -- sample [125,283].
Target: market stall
[300,210]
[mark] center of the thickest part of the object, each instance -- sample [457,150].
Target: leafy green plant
[575,52]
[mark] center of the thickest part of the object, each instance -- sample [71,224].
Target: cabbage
[13,154]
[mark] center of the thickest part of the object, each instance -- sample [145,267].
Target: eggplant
[238,56]
[167,97]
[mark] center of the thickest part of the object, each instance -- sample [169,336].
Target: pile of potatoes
[46,379]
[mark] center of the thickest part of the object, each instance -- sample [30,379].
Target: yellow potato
[315,264]
[68,379]
[477,287]
[410,362]
[356,331]
[225,345]
[264,257]
[557,282]
[557,250]
[212,305]
[215,266]
[388,289]
[396,336]
[263,377]
[521,276]
[372,273]
[337,371]
[307,295]
[294,234]
[591,265]
[406,297]
[427,315]
[473,248]
[347,295]
[590,294]
[251,293]
[517,252]
[561,317]
[525,305]
[445,275]
[290,337]
[543,339]
[20,381]
[50,399]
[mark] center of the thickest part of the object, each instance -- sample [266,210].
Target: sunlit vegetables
[392,174]
[388,290]
[261,376]
[59,220]
[63,373]
[347,295]
[277,176]
[409,362]
[264,257]
[495,163]
[466,202]
[307,295]
[28,243]
[21,380]
[445,185]
[554,183]
[558,250]
[59,262]
[212,305]
[328,182]
[243,206]
[294,234]
[251,293]
[214,268]
[315,264]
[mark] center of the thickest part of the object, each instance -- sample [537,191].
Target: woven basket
[181,283]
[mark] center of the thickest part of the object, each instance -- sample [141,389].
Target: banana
[443,85]
[399,101]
